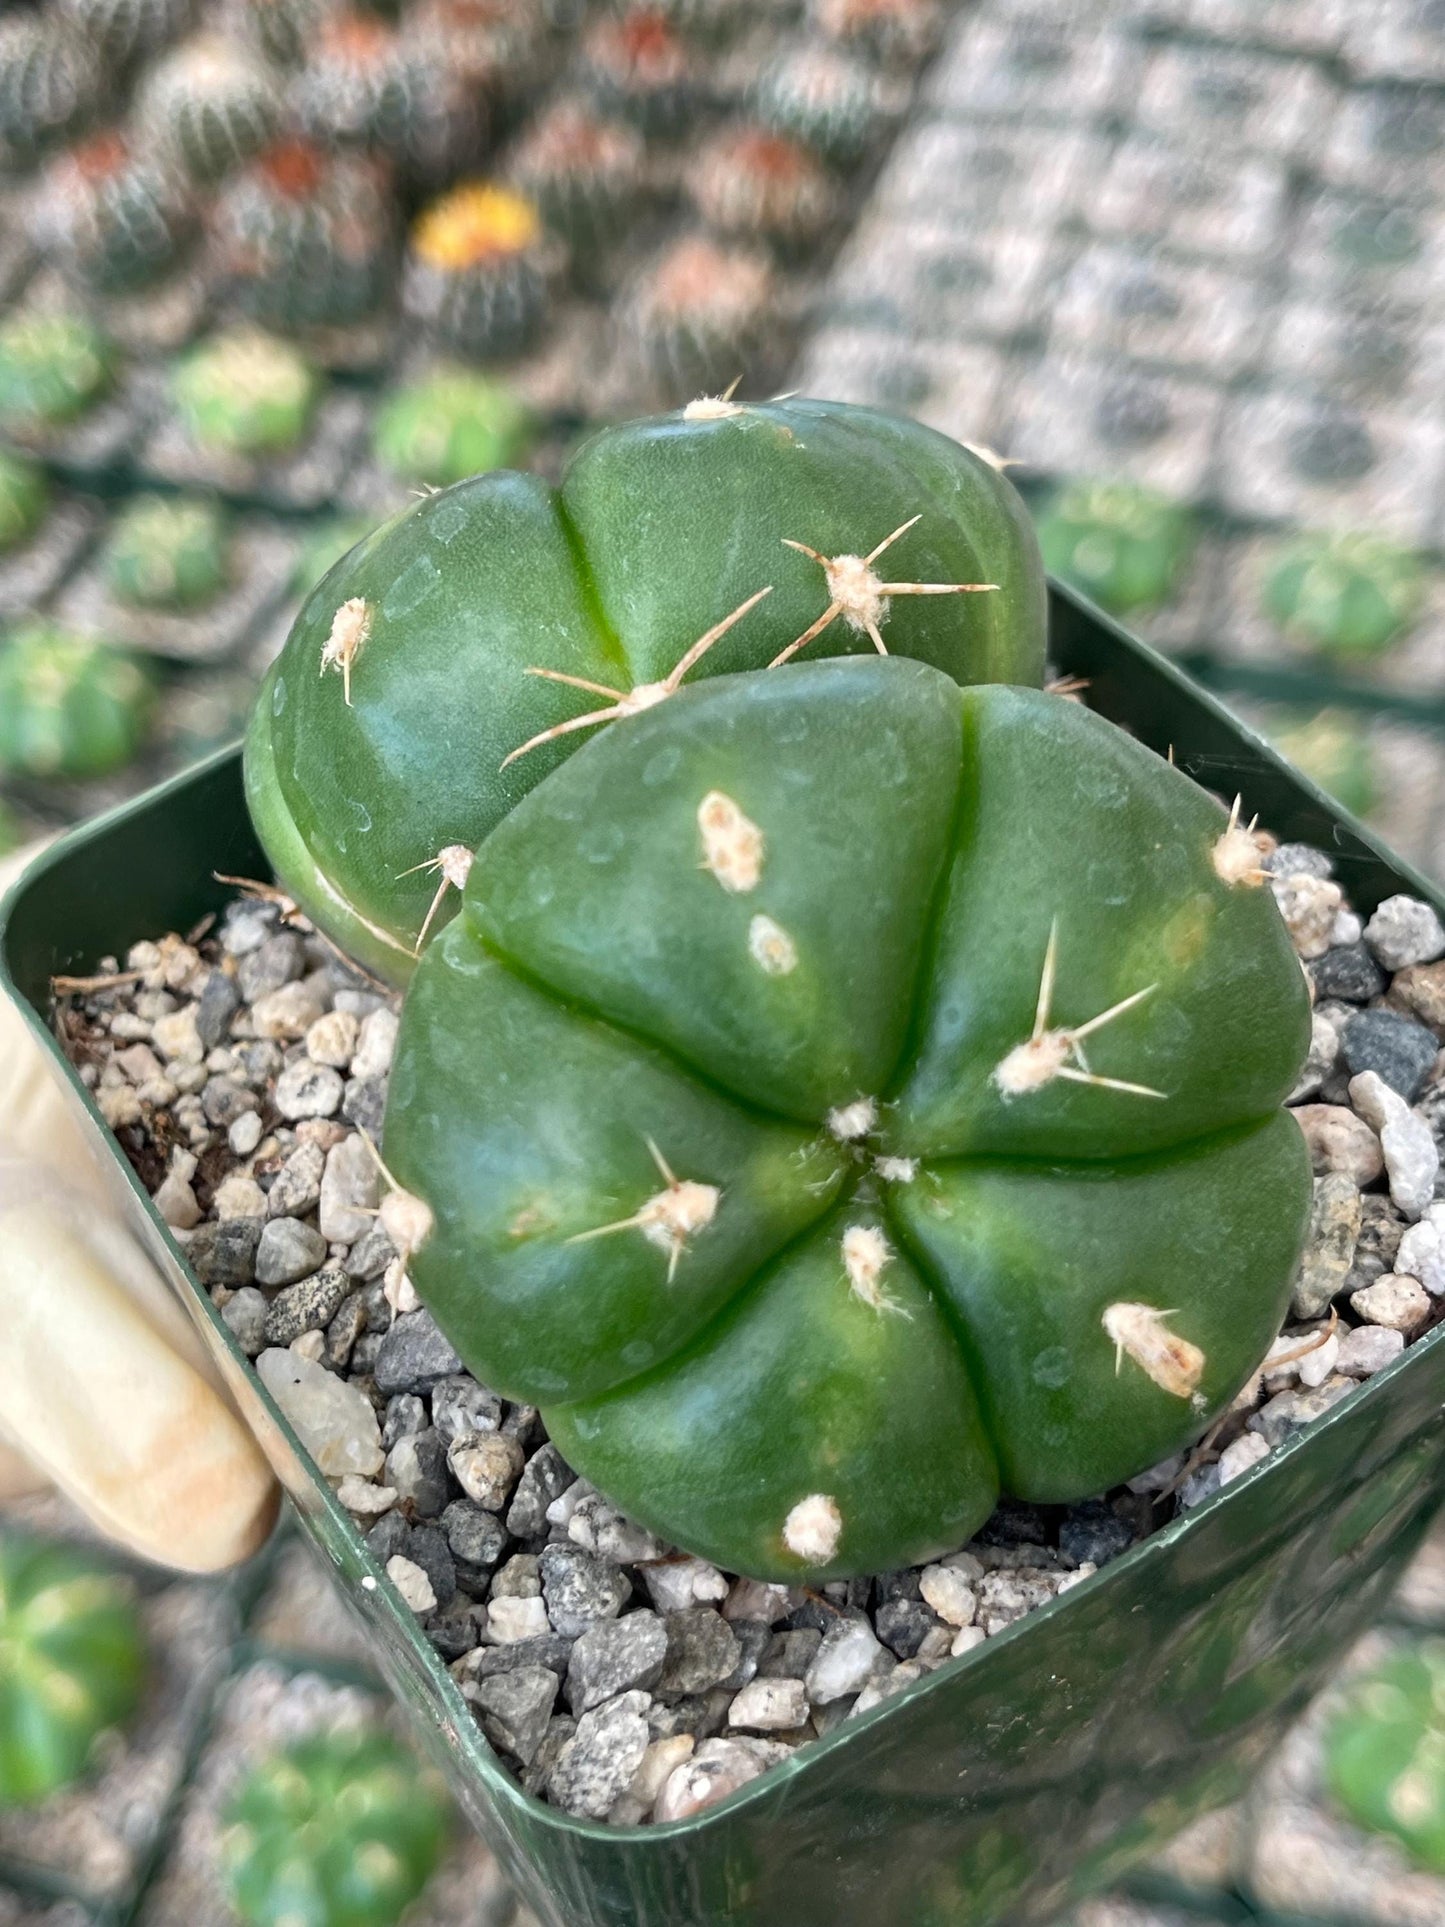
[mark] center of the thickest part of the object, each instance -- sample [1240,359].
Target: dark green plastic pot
[1013,1778]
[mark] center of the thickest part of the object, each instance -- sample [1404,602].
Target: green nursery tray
[1011,1779]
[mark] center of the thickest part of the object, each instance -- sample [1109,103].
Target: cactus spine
[69,707]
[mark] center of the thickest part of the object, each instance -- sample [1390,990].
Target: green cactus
[166,553]
[124,30]
[1385,1751]
[660,531]
[24,498]
[50,83]
[69,708]
[478,269]
[1353,594]
[72,1661]
[53,367]
[833,1101]
[119,219]
[1333,749]
[338,1830]
[246,393]
[448,425]
[1124,545]
[827,99]
[365,83]
[324,546]
[211,105]
[636,65]
[305,238]
[700,314]
[584,174]
[764,186]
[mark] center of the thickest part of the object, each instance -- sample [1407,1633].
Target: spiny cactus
[753,532]
[448,425]
[53,367]
[246,393]
[167,553]
[584,174]
[496,47]
[50,84]
[69,707]
[824,1075]
[1385,1751]
[1333,749]
[1125,545]
[762,186]
[899,33]
[211,105]
[698,315]
[305,238]
[366,84]
[827,99]
[1352,593]
[338,1830]
[478,269]
[121,31]
[119,219]
[72,1659]
[638,66]
[24,498]
[281,30]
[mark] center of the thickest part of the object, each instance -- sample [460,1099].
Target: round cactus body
[366,84]
[450,424]
[339,1830]
[698,316]
[659,541]
[122,30]
[167,553]
[69,707]
[120,219]
[211,104]
[245,393]
[53,367]
[832,1103]
[72,1662]
[1333,749]
[305,238]
[50,82]
[748,181]
[24,497]
[1124,545]
[478,269]
[637,65]
[1353,593]
[827,99]
[1385,1751]
[584,174]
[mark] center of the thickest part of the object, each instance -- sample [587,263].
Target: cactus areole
[845,1097]
[503,612]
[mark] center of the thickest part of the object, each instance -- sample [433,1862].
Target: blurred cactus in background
[53,367]
[167,553]
[24,495]
[1385,1751]
[448,425]
[1353,594]
[211,105]
[1124,545]
[478,269]
[246,393]
[117,219]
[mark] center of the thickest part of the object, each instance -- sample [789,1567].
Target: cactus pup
[478,269]
[713,539]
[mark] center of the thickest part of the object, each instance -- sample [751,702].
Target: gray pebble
[751,1637]
[903,1625]
[305,1089]
[1405,931]
[461,1407]
[613,1656]
[702,1650]
[788,1655]
[1378,1244]
[560,1729]
[279,960]
[1288,1412]
[486,1465]
[288,1250]
[414,1355]
[260,1061]
[1401,1051]
[364,1354]
[363,1103]
[218,1002]
[550,1650]
[1297,859]
[519,1578]
[405,1414]
[477,1539]
[849,1656]
[369,1257]
[1369,1350]
[545,1477]
[390,1536]
[514,1708]
[1335,1218]
[580,1589]
[1348,972]
[345,1328]
[417,1467]
[595,1766]
[296,1188]
[225,1254]
[247,925]
[377,1045]
[455,1630]
[245,1316]
[1094,1533]
[223,1100]
[350,1190]
[245,1134]
[427,1547]
[307,1306]
[770,1705]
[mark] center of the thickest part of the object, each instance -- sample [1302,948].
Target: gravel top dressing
[244,1071]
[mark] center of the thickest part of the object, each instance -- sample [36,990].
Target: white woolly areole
[673,1216]
[1033,1064]
[732,844]
[647,695]
[866,1253]
[406,1220]
[711,408]
[455,860]
[857,590]
[896,1170]
[771,948]
[850,1121]
[1235,856]
[1172,1362]
[350,627]
[813,1528]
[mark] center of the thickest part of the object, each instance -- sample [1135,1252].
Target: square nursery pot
[1022,1773]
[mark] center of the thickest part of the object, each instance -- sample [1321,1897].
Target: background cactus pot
[1010,1778]
[660,532]
[749,1106]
